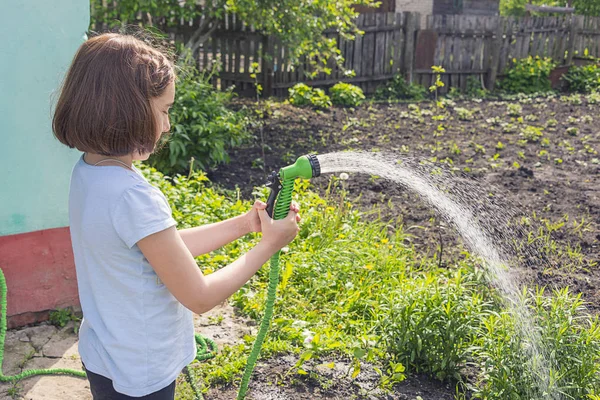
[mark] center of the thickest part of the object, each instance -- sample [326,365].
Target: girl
[138,281]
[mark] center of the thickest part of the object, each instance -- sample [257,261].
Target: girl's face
[160,107]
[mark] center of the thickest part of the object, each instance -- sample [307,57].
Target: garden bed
[553,177]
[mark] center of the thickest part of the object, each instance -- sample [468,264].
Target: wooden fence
[395,43]
[385,49]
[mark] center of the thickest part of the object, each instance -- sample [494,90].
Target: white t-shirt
[134,331]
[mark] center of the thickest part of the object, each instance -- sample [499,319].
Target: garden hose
[30,372]
[207,349]
[281,185]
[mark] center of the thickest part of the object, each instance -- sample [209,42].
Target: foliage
[528,75]
[587,7]
[351,286]
[566,333]
[437,84]
[345,94]
[516,8]
[202,126]
[62,316]
[303,95]
[583,79]
[474,88]
[398,89]
[298,24]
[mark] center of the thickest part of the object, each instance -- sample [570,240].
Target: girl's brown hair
[104,105]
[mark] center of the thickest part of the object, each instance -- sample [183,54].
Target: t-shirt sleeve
[140,212]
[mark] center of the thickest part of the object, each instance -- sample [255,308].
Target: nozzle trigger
[274,184]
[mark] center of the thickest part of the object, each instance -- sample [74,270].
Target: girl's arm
[173,263]
[206,238]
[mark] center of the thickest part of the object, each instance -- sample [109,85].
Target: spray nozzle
[305,167]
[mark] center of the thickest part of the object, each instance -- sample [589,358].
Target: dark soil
[269,383]
[551,181]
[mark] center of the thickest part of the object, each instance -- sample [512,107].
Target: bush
[303,95]
[399,89]
[357,290]
[528,75]
[345,94]
[201,124]
[583,79]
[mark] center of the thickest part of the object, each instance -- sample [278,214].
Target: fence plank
[412,20]
[400,43]
[358,45]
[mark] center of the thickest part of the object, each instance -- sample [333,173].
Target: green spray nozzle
[305,167]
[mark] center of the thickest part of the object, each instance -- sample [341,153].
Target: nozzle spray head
[305,167]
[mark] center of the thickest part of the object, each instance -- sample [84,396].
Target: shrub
[360,291]
[303,95]
[345,94]
[528,75]
[201,124]
[399,89]
[583,79]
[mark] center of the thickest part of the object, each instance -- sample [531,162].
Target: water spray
[278,205]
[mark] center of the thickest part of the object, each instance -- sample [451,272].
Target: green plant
[528,75]
[437,72]
[351,286]
[303,95]
[203,128]
[464,114]
[398,89]
[345,94]
[62,316]
[514,110]
[572,131]
[300,95]
[584,78]
[474,88]
[532,133]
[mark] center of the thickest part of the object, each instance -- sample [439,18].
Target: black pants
[102,389]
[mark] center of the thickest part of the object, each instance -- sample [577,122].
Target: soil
[564,182]
[560,186]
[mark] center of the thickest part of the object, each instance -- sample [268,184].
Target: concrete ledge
[40,274]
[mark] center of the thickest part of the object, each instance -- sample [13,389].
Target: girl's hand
[277,234]
[253,219]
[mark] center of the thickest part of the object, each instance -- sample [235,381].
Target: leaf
[287,273]
[359,353]
[356,371]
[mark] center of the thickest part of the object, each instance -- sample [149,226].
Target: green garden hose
[305,167]
[31,372]
[281,210]
[206,349]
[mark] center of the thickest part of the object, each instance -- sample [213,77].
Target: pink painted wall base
[40,274]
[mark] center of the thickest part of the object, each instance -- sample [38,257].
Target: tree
[587,7]
[298,23]
[516,8]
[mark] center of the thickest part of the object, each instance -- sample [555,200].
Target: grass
[354,286]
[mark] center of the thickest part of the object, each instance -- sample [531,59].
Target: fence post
[412,27]
[571,43]
[267,66]
[495,54]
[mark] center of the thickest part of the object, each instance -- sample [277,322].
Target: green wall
[39,39]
